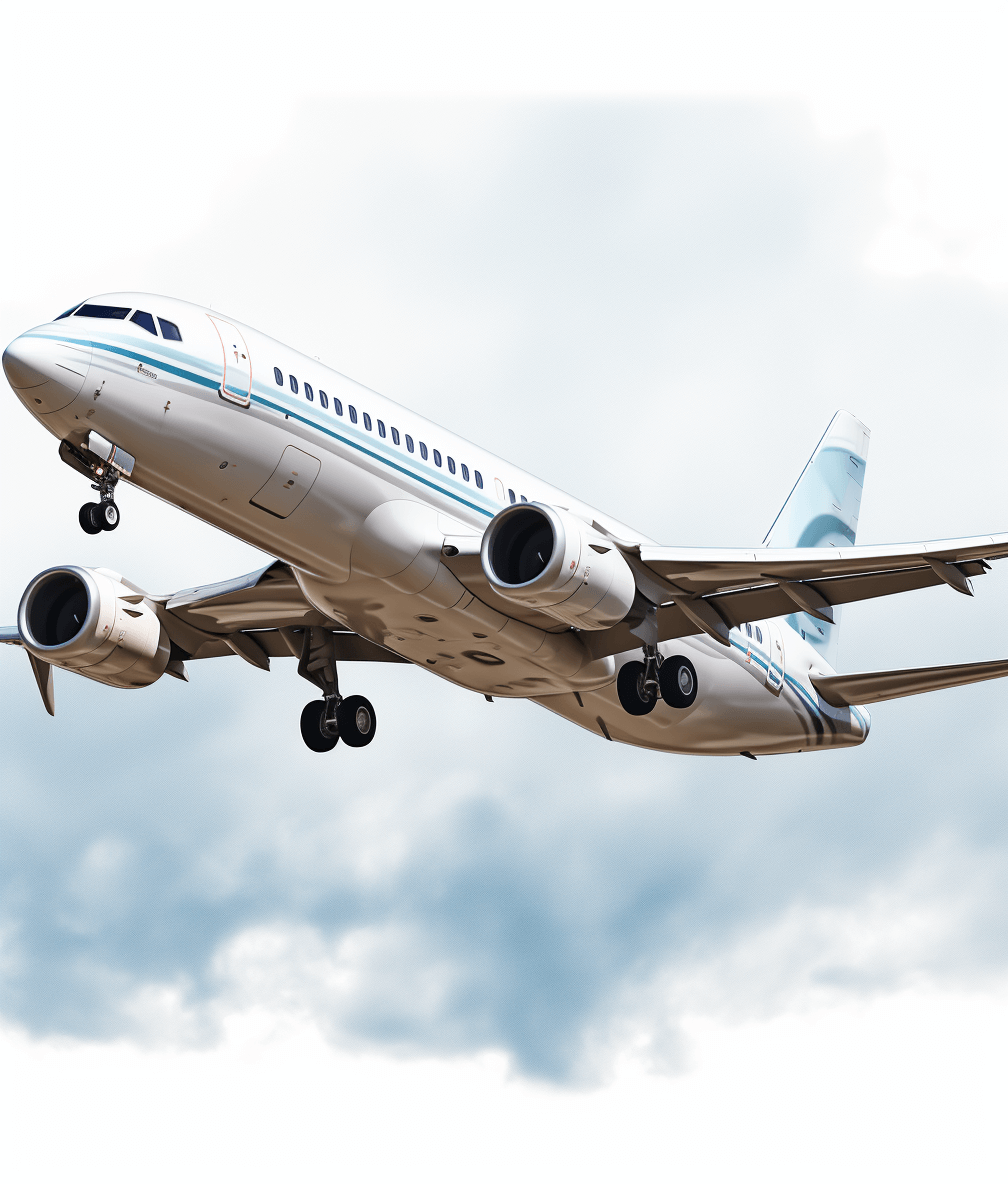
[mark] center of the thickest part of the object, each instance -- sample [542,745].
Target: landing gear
[356,719]
[637,689]
[327,720]
[639,685]
[319,733]
[104,514]
[678,682]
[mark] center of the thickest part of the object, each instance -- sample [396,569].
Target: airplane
[398,541]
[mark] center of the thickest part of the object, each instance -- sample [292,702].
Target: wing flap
[849,690]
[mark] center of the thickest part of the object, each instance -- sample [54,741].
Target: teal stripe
[214,384]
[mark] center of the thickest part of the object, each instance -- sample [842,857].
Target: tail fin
[822,510]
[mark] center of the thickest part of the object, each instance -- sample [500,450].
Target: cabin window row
[337,406]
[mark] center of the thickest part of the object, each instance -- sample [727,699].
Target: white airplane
[399,541]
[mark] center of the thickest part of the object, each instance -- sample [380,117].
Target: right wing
[711,591]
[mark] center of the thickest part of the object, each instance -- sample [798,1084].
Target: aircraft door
[236,378]
[775,655]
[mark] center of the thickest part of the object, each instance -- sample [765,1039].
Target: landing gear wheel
[678,681]
[312,721]
[84,518]
[109,514]
[356,719]
[630,688]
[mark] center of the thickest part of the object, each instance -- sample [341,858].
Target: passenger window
[169,331]
[278,376]
[367,421]
[423,450]
[451,466]
[759,635]
[337,406]
[437,458]
[479,479]
[309,394]
[409,443]
[465,472]
[353,414]
[105,312]
[145,321]
[395,435]
[293,384]
[511,496]
[323,399]
[381,429]
[748,630]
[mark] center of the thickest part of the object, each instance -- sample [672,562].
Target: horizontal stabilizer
[848,690]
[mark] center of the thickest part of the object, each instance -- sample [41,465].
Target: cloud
[658,305]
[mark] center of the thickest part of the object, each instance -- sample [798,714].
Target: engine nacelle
[80,619]
[545,558]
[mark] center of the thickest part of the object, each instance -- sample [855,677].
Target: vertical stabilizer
[822,511]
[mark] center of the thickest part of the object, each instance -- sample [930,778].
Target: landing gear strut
[325,720]
[104,514]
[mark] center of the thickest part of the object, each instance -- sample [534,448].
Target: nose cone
[46,374]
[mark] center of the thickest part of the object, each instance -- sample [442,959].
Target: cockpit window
[107,312]
[169,331]
[63,315]
[144,320]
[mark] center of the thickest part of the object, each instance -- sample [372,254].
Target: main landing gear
[324,721]
[639,685]
[104,514]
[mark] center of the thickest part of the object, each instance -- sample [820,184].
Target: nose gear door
[236,378]
[775,656]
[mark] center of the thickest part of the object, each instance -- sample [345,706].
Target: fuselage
[361,496]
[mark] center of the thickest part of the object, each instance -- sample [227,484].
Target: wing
[710,591]
[848,690]
[258,616]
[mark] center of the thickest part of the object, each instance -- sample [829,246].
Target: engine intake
[80,619]
[546,558]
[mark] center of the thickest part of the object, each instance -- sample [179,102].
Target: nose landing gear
[325,720]
[104,514]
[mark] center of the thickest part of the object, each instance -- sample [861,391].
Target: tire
[628,687]
[356,719]
[678,681]
[109,513]
[84,518]
[311,728]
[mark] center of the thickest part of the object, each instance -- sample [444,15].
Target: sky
[646,254]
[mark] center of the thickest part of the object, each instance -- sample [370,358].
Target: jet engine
[91,622]
[545,558]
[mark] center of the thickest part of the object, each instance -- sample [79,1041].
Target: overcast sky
[646,257]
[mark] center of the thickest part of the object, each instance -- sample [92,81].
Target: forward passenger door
[236,376]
